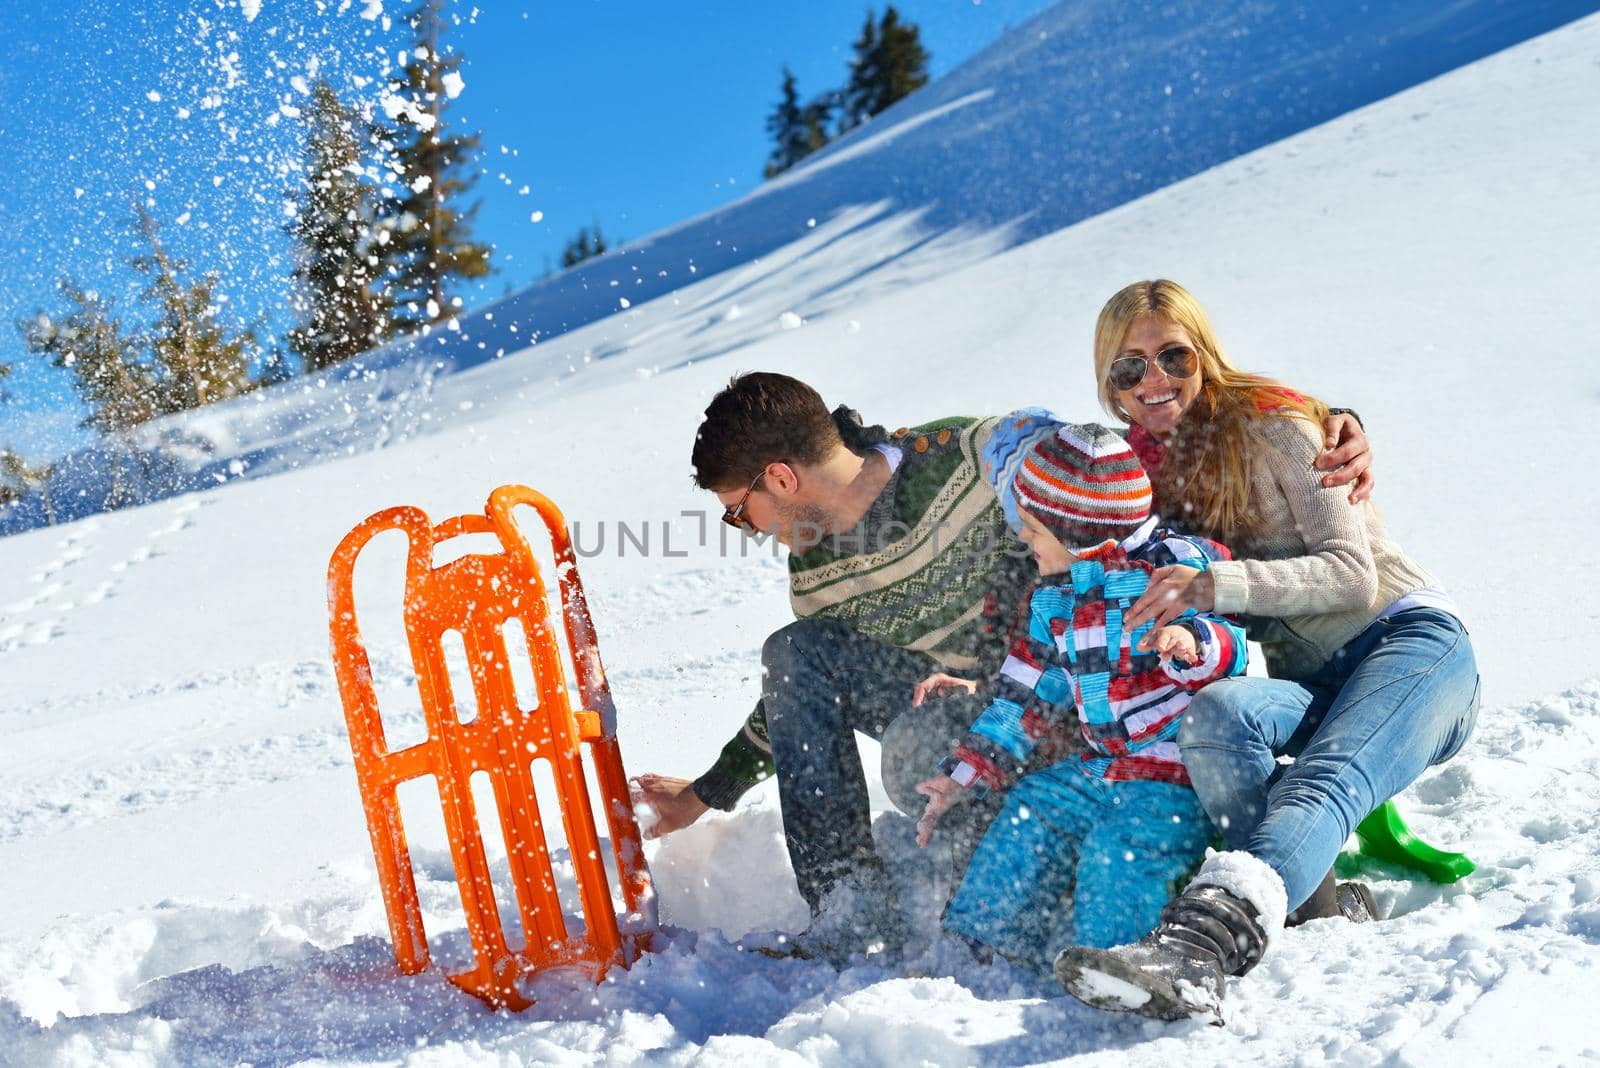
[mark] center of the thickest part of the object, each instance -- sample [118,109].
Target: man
[901,565]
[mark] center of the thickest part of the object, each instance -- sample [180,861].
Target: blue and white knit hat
[1008,447]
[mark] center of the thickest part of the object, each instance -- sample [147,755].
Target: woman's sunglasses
[1128,371]
[735,516]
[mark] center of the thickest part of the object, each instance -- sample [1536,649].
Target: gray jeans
[823,681]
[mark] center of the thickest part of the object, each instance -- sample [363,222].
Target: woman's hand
[673,801]
[937,685]
[1171,643]
[943,794]
[1173,590]
[1346,456]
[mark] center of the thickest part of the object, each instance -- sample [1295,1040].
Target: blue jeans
[1400,697]
[1123,848]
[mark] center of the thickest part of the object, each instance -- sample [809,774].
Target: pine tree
[786,124]
[197,360]
[431,243]
[855,100]
[889,64]
[19,479]
[583,246]
[90,343]
[340,308]
[816,116]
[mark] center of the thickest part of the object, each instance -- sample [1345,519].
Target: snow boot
[1218,927]
[1330,900]
[1357,904]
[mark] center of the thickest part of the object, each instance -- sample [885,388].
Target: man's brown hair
[761,418]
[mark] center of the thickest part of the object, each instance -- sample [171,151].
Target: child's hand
[1172,643]
[943,794]
[937,685]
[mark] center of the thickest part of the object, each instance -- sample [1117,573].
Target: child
[1116,821]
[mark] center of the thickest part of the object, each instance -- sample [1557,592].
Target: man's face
[778,507]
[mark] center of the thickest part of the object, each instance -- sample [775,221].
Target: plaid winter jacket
[1076,656]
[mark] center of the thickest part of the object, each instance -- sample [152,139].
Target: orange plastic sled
[474,596]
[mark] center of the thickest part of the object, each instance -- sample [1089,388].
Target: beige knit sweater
[1317,569]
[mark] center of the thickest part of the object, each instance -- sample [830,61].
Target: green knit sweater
[932,567]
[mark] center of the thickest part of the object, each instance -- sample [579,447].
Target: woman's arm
[1336,573]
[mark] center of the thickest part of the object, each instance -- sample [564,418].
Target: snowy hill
[1089,105]
[182,853]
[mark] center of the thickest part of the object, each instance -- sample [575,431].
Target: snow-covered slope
[182,856]
[1086,106]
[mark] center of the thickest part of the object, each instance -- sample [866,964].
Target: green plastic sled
[1385,836]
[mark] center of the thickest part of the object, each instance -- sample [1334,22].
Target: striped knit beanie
[1083,483]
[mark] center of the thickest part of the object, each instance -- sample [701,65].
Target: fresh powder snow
[182,849]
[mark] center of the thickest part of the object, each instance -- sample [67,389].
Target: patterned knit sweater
[1314,569]
[931,567]
[1078,657]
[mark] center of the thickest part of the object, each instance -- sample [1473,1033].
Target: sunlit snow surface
[185,869]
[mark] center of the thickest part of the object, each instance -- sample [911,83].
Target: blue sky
[630,114]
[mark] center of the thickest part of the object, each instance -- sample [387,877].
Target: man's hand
[937,685]
[672,801]
[943,794]
[1346,456]
[1172,590]
[1172,643]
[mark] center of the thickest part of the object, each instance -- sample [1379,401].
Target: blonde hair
[1206,477]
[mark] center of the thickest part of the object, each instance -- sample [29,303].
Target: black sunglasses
[1179,361]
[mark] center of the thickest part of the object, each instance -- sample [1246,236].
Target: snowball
[421,184]
[251,9]
[153,96]
[537,216]
[373,10]
[453,84]
[624,302]
[433,309]
[790,321]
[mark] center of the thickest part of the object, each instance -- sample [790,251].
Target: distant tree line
[887,63]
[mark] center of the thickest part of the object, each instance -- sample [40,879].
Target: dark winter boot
[1220,926]
[1331,900]
[1323,904]
[1357,904]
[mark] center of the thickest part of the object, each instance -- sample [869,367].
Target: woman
[1374,678]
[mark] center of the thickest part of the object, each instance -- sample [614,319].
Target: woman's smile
[1158,402]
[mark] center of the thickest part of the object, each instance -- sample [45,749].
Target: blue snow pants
[1121,847]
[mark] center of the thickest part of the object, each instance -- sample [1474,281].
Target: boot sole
[1105,981]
